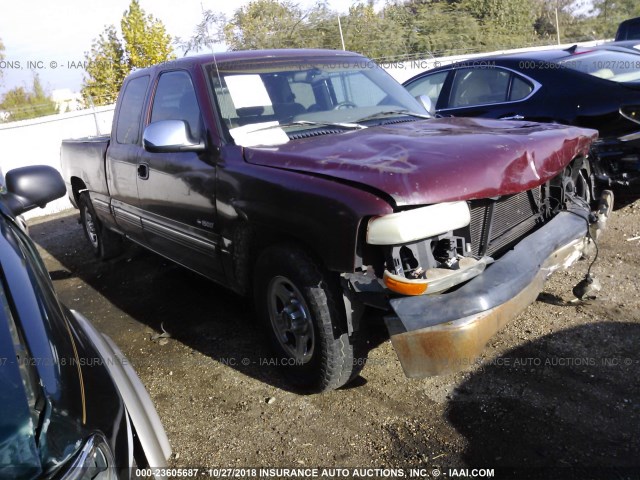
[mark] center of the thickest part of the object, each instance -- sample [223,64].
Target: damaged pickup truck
[313,182]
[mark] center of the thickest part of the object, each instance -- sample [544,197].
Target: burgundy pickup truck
[313,182]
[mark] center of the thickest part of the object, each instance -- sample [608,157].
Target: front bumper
[442,334]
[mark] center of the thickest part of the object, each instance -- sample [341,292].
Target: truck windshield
[608,64]
[337,91]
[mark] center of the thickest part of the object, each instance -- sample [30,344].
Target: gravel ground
[554,396]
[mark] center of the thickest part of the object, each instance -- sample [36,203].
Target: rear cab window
[130,114]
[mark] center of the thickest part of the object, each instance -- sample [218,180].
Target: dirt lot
[556,394]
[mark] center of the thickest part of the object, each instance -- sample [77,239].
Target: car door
[176,191]
[122,159]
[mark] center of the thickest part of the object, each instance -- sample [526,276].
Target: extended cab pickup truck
[313,182]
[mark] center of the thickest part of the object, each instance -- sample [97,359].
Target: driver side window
[175,99]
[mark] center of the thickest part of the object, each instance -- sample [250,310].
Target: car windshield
[267,97]
[608,64]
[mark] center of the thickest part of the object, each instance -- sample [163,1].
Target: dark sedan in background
[597,87]
[72,407]
[629,30]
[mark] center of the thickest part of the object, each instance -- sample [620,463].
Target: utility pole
[341,36]
[557,24]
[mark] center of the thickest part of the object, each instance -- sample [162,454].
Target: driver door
[177,190]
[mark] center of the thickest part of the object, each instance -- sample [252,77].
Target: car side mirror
[426,102]
[169,136]
[33,186]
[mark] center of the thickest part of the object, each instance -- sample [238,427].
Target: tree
[607,15]
[372,34]
[429,29]
[322,28]
[106,69]
[281,24]
[266,24]
[144,43]
[208,32]
[402,27]
[22,104]
[505,23]
[574,26]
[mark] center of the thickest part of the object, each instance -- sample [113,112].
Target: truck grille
[497,224]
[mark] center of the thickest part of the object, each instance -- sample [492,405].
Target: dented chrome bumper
[442,334]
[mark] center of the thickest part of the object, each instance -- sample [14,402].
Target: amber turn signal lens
[408,287]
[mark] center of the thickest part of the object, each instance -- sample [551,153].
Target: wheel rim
[290,320]
[90,228]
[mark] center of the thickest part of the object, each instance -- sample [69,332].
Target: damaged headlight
[417,224]
[422,253]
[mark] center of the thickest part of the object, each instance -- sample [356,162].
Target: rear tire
[301,307]
[104,243]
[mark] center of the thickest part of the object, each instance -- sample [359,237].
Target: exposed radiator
[497,224]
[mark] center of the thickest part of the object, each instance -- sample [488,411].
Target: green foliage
[22,104]
[505,23]
[428,27]
[609,14]
[322,28]
[265,24]
[106,69]
[144,42]
[209,31]
[419,28]
[372,34]
[282,24]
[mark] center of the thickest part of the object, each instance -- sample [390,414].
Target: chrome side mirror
[169,136]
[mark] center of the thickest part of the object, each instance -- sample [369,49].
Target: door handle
[513,117]
[143,171]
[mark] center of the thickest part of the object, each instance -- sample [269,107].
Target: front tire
[104,243]
[301,306]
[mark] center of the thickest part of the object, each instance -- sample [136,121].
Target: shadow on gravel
[164,296]
[624,198]
[564,406]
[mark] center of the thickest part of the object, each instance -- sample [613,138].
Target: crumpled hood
[439,160]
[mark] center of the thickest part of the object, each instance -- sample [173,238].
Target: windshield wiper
[391,113]
[309,123]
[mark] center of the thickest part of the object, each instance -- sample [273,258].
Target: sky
[51,37]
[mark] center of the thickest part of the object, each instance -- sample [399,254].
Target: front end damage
[617,158]
[451,292]
[617,163]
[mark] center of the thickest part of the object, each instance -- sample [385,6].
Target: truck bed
[84,158]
